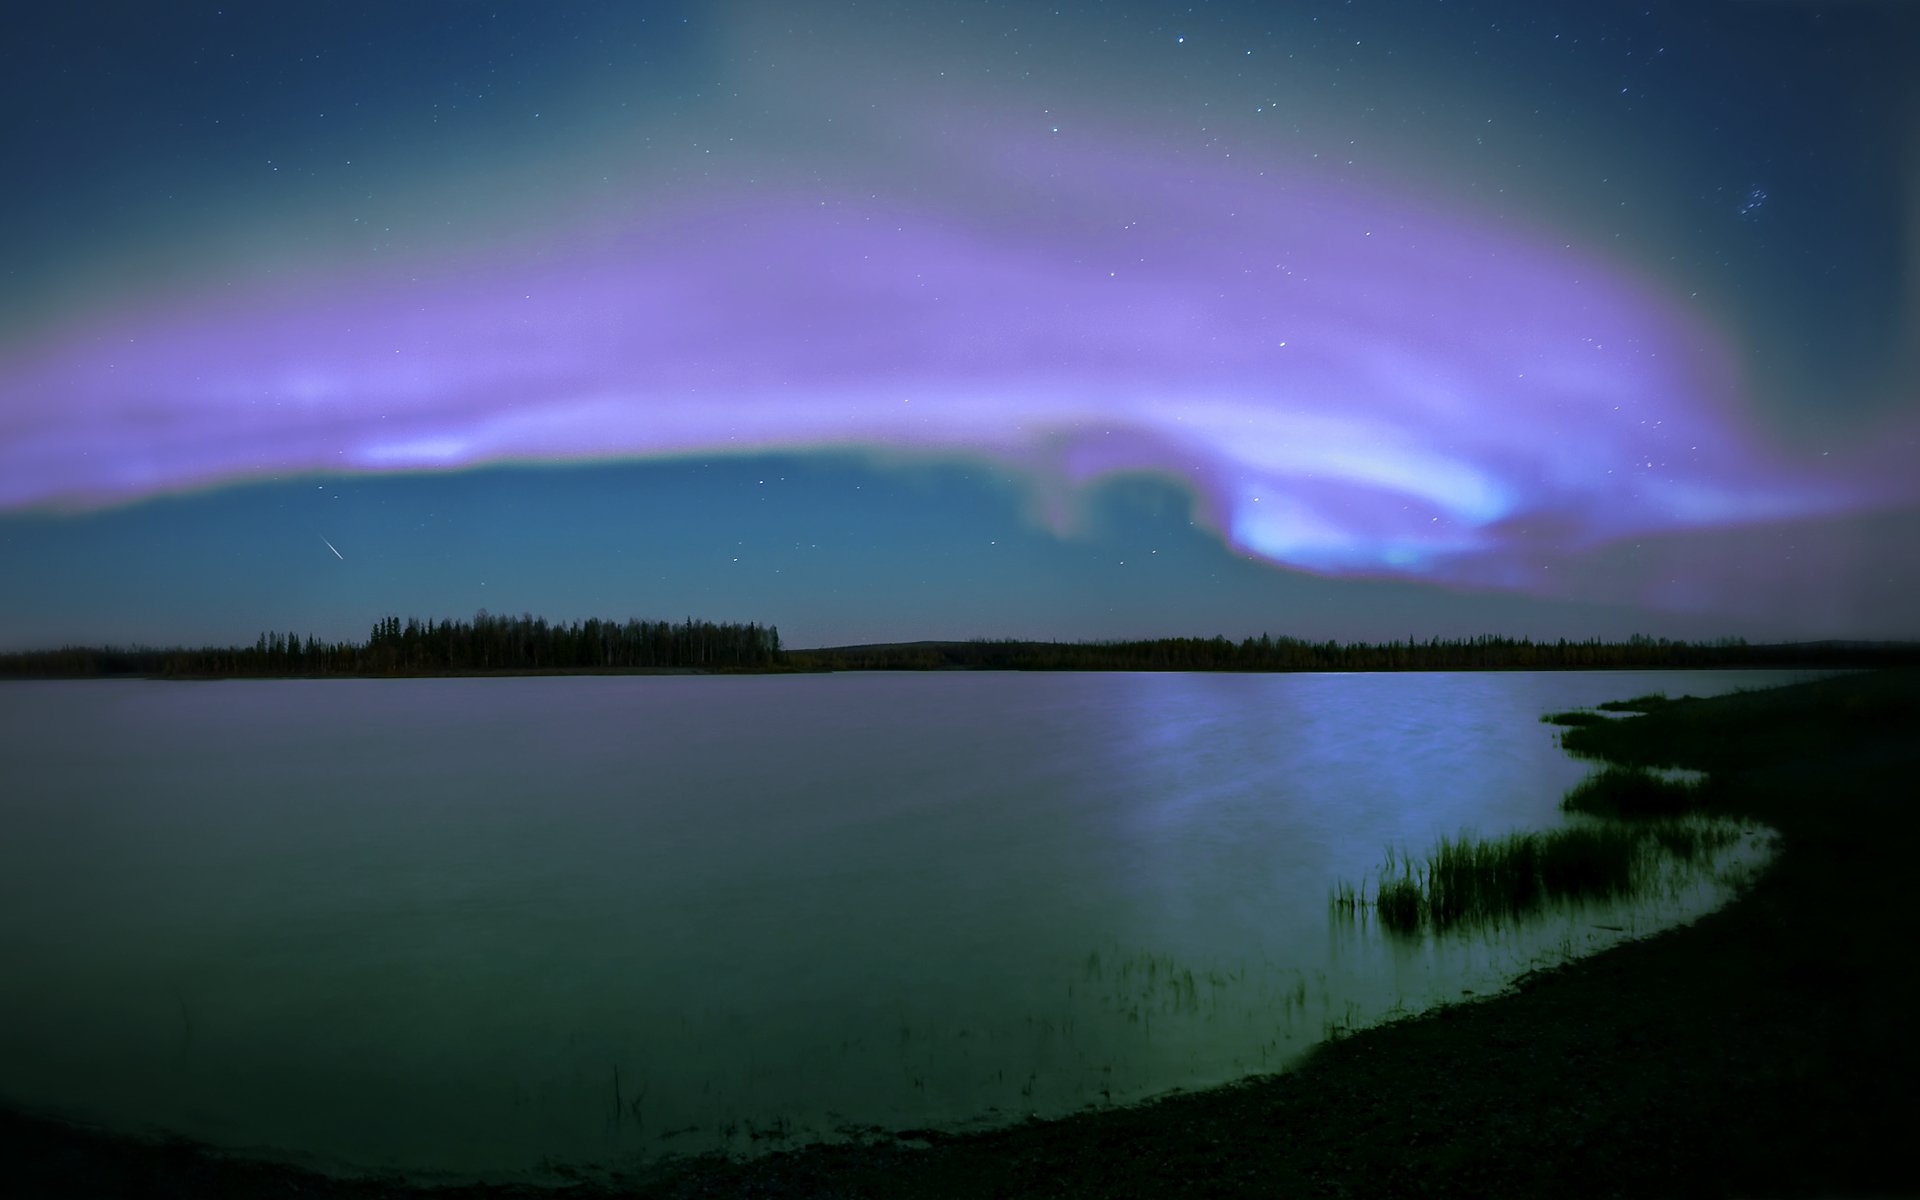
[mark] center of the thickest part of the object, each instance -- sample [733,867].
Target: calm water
[468,925]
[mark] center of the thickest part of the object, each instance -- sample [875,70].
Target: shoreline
[1764,1048]
[582,672]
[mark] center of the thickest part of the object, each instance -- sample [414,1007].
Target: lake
[479,927]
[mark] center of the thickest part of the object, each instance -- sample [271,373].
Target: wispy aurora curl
[1350,380]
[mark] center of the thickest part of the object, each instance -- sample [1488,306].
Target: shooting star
[336,551]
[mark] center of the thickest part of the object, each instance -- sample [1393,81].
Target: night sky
[888,321]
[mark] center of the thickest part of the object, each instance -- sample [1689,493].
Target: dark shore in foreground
[1768,1049]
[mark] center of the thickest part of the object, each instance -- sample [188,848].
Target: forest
[487,643]
[524,644]
[1267,653]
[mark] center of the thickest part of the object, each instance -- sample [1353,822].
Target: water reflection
[467,925]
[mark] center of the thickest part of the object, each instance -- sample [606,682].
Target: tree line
[415,647]
[489,643]
[1268,653]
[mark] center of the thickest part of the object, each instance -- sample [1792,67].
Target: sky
[942,320]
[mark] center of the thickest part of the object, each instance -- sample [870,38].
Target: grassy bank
[1766,1050]
[1472,880]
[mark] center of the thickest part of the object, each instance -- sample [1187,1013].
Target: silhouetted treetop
[415,647]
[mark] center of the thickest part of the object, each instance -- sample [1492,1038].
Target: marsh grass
[1590,861]
[1469,880]
[1646,820]
[1402,905]
[1638,704]
[1631,793]
[1401,898]
[1688,841]
[1574,717]
[1345,899]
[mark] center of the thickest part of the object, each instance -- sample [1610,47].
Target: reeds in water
[1639,704]
[1688,840]
[1472,879]
[1626,792]
[1345,899]
[1589,861]
[1467,879]
[1574,717]
[1401,904]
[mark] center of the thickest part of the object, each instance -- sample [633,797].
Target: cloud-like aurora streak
[1349,379]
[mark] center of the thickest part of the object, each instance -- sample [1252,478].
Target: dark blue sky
[931,320]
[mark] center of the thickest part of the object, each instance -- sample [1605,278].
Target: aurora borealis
[1337,318]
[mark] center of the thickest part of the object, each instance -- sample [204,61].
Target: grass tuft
[1638,704]
[1574,717]
[1473,879]
[1626,792]
[1469,880]
[1401,904]
[1589,862]
[1688,840]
